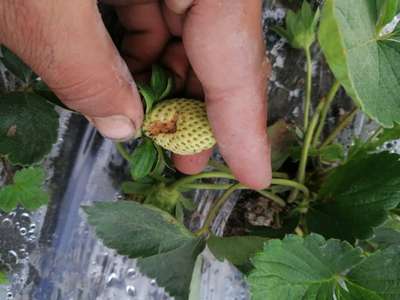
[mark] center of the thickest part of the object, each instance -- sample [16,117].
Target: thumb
[66,43]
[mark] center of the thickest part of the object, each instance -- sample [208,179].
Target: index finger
[224,43]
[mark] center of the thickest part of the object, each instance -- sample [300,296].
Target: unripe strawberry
[180,125]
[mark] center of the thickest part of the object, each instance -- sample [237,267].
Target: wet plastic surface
[53,253]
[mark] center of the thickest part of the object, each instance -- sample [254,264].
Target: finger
[146,36]
[223,40]
[68,46]
[173,20]
[192,164]
[174,58]
[193,86]
[179,6]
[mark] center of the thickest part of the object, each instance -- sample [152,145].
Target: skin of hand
[215,49]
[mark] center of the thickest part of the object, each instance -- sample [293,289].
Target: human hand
[222,55]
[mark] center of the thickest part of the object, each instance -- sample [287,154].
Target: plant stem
[206,186]
[280,175]
[342,125]
[294,184]
[307,105]
[301,173]
[211,186]
[275,198]
[215,209]
[189,179]
[324,113]
[122,151]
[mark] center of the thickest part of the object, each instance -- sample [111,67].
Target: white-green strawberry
[180,125]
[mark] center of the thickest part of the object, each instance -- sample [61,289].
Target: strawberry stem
[205,229]
[327,104]
[342,125]
[204,186]
[307,105]
[190,179]
[301,173]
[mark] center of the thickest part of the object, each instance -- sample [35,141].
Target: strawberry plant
[335,226]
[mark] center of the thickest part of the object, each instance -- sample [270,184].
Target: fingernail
[118,127]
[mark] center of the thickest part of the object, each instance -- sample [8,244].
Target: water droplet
[13,256]
[111,279]
[131,290]
[26,216]
[153,282]
[22,231]
[131,272]
[6,222]
[32,226]
[10,295]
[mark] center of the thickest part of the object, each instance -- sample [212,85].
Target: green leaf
[387,234]
[26,191]
[161,83]
[329,154]
[300,27]
[357,197]
[3,278]
[237,250]
[195,285]
[355,292]
[179,213]
[15,65]
[136,230]
[173,270]
[136,188]
[143,159]
[387,10]
[332,153]
[187,203]
[148,95]
[379,273]
[282,140]
[160,164]
[28,127]
[40,88]
[301,268]
[348,38]
[163,197]
[167,251]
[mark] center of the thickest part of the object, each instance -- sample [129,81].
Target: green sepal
[143,159]
[148,96]
[161,83]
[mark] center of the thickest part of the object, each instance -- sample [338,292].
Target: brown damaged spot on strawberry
[159,127]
